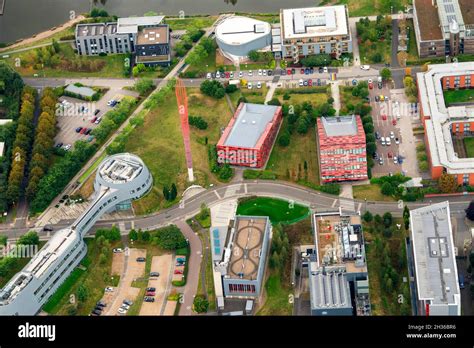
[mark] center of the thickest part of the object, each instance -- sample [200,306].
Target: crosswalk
[346,205]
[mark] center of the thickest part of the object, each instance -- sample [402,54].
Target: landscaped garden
[375,40]
[453,96]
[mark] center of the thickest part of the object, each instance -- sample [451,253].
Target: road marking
[245,187]
[334,203]
[133,224]
[360,206]
[217,194]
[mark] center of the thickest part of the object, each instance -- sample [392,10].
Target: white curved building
[236,36]
[120,179]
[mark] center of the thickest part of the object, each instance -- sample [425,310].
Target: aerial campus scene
[237,158]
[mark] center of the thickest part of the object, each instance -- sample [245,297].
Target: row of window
[327,160]
[347,176]
[242,288]
[351,167]
[359,150]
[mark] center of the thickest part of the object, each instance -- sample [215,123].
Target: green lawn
[469,145]
[277,298]
[362,8]
[207,64]
[279,211]
[160,144]
[185,23]
[453,96]
[95,278]
[92,168]
[371,192]
[114,65]
[316,98]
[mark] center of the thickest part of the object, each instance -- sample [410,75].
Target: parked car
[90,138]
[67,147]
[181,259]
[354,82]
[101,304]
[397,141]
[325,69]
[270,72]
[125,306]
[365,67]
[48,228]
[375,155]
[249,85]
[250,73]
[289,72]
[209,75]
[293,71]
[149,299]
[382,141]
[395,160]
[150,293]
[151,289]
[227,74]
[218,75]
[461,281]
[264,73]
[78,129]
[88,131]
[127,302]
[109,289]
[301,83]
[259,72]
[259,85]
[390,154]
[394,122]
[141,259]
[380,85]
[58,145]
[310,82]
[320,70]
[305,83]
[384,117]
[178,271]
[96,112]
[231,75]
[83,130]
[377,135]
[117,250]
[97,121]
[93,119]
[387,141]
[122,311]
[302,71]
[154,274]
[381,161]
[96,312]
[377,98]
[392,135]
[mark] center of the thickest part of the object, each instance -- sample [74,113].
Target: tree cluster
[280,249]
[169,237]
[213,88]
[198,122]
[170,193]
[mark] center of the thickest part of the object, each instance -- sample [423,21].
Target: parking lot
[386,124]
[163,265]
[74,113]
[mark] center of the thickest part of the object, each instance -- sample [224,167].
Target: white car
[125,307]
[395,160]
[209,75]
[67,147]
[259,85]
[397,141]
[264,73]
[365,67]
[382,141]
[121,311]
[369,81]
[387,141]
[241,74]
[249,85]
[250,73]
[392,135]
[117,250]
[231,74]
[109,289]
[218,75]
[259,72]
[325,69]
[301,83]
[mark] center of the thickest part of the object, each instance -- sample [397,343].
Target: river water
[23,18]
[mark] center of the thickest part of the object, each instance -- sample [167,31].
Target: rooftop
[94,29]
[329,288]
[467,9]
[249,124]
[428,20]
[237,30]
[246,248]
[153,35]
[314,21]
[434,258]
[340,125]
[120,169]
[437,128]
[83,91]
[130,25]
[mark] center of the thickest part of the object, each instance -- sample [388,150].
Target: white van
[387,141]
[382,141]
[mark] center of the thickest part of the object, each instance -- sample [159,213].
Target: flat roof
[249,233]
[329,288]
[153,35]
[340,125]
[434,258]
[428,20]
[120,169]
[249,124]
[95,29]
[314,21]
[238,30]
[84,91]
[437,128]
[130,25]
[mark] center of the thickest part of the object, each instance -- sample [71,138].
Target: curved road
[289,191]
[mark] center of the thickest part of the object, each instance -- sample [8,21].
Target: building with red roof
[342,149]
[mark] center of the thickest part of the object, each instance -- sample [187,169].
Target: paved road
[315,200]
[194,267]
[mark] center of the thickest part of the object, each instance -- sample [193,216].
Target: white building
[315,30]
[236,36]
[120,178]
[434,259]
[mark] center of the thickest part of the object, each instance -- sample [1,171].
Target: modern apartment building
[444,27]
[249,137]
[447,126]
[341,148]
[431,249]
[120,179]
[314,30]
[123,37]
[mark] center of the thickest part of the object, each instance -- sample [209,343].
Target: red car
[93,119]
[371,85]
[390,155]
[310,82]
[178,271]
[83,130]
[394,122]
[302,71]
[150,293]
[227,74]
[384,117]
[288,71]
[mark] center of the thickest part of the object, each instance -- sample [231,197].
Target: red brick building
[446,126]
[248,138]
[342,150]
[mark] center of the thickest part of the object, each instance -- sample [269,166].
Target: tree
[3,240]
[368,217]
[387,189]
[166,192]
[30,238]
[284,139]
[82,293]
[254,56]
[173,192]
[316,60]
[387,219]
[169,238]
[447,183]
[200,304]
[386,74]
[132,235]
[406,217]
[274,101]
[143,86]
[470,211]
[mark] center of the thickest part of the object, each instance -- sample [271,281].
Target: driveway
[194,267]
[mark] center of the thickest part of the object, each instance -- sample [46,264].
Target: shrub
[169,238]
[198,122]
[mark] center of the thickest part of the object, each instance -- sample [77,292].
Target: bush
[112,234]
[316,60]
[198,122]
[231,89]
[200,304]
[213,88]
[30,238]
[368,217]
[284,139]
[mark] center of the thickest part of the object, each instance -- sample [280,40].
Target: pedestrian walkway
[336,96]
[270,92]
